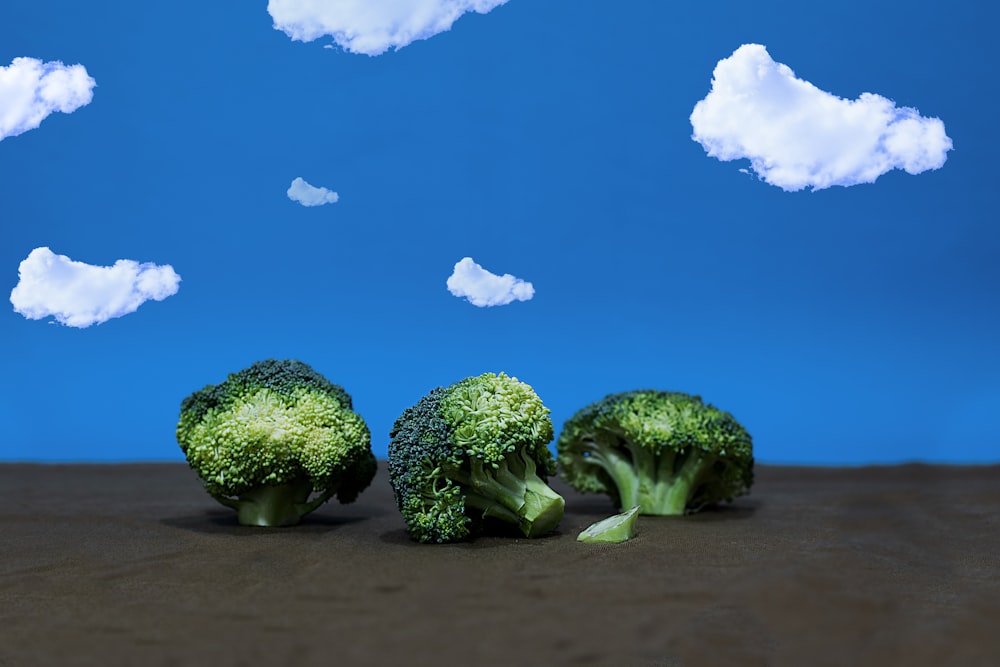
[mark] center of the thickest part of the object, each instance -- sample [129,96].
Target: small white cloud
[797,136]
[482,288]
[30,90]
[78,294]
[308,195]
[371,27]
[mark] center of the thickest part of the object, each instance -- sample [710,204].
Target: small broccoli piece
[618,528]
[667,452]
[473,452]
[270,436]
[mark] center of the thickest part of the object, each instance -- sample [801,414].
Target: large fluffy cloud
[78,294]
[371,27]
[30,90]
[482,288]
[309,195]
[798,136]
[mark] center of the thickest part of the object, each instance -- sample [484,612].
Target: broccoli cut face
[473,453]
[667,452]
[270,437]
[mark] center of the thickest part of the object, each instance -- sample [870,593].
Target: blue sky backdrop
[548,142]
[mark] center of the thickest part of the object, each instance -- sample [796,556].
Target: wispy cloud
[371,27]
[79,295]
[482,288]
[30,90]
[309,195]
[798,136]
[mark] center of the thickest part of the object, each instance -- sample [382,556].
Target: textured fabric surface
[136,565]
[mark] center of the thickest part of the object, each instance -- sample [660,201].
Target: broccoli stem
[671,494]
[512,492]
[279,505]
[602,450]
[660,484]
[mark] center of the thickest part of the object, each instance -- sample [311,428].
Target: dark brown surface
[136,565]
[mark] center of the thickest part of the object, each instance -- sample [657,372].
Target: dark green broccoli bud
[275,441]
[667,452]
[474,452]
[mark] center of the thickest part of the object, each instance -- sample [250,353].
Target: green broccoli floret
[270,436]
[473,452]
[667,452]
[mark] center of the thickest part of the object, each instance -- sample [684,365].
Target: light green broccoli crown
[267,438]
[276,423]
[666,451]
[492,416]
[664,419]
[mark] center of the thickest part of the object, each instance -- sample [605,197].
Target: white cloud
[30,90]
[308,195]
[482,288]
[78,294]
[798,136]
[371,27]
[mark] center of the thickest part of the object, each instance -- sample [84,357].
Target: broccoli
[270,436]
[667,452]
[473,452]
[615,529]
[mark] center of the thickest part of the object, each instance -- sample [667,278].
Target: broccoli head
[666,452]
[272,435]
[472,453]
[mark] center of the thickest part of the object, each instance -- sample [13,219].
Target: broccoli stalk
[279,505]
[659,483]
[513,492]
[614,530]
